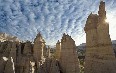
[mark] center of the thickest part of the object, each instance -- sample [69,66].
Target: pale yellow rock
[99,57]
[68,57]
[38,50]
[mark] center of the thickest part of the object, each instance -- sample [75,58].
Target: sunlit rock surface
[68,58]
[99,56]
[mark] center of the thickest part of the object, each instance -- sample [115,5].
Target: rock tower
[99,57]
[38,48]
[58,50]
[68,58]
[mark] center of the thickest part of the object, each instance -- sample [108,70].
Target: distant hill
[7,37]
[51,46]
[114,46]
[81,46]
[113,41]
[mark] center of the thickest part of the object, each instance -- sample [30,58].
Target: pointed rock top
[64,34]
[91,13]
[58,41]
[39,34]
[39,38]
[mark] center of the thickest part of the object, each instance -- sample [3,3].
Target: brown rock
[39,45]
[27,48]
[58,50]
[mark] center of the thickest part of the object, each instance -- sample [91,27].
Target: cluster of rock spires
[17,57]
[28,57]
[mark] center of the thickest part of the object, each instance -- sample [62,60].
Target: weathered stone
[99,57]
[58,50]
[54,68]
[10,65]
[27,48]
[68,58]
[2,65]
[39,45]
[48,54]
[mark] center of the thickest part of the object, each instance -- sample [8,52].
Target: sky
[25,18]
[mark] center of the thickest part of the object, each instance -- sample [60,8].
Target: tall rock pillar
[58,50]
[99,57]
[68,58]
[39,45]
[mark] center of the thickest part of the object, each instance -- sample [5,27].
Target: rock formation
[7,37]
[99,57]
[68,58]
[54,68]
[39,45]
[10,65]
[58,50]
[48,52]
[28,48]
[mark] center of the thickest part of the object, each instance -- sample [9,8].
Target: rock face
[54,68]
[38,48]
[10,65]
[28,49]
[68,58]
[48,52]
[58,50]
[8,57]
[99,57]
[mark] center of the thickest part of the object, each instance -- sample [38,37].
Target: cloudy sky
[25,18]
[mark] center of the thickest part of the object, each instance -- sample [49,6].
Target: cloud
[25,18]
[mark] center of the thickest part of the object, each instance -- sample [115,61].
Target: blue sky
[25,18]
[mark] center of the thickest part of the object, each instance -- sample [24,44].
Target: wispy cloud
[25,18]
